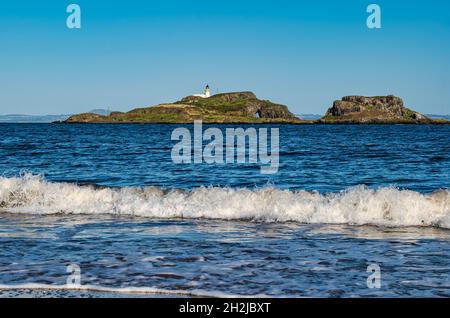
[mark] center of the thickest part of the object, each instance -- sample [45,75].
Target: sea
[101,210]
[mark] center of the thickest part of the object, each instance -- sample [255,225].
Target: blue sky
[304,54]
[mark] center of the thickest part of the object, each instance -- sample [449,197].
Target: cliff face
[239,107]
[380,109]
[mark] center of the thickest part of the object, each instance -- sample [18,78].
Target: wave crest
[357,205]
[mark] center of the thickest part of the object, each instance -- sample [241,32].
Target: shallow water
[219,258]
[150,230]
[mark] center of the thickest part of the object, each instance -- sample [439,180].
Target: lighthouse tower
[206,94]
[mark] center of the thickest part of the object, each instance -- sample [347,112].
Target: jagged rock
[380,109]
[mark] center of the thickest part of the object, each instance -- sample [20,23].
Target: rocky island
[239,107]
[245,107]
[372,110]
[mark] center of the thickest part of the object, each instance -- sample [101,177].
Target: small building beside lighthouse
[206,94]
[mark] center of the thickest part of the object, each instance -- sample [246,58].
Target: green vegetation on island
[240,107]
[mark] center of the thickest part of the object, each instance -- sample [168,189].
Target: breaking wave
[357,205]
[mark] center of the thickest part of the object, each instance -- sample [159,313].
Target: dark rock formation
[380,109]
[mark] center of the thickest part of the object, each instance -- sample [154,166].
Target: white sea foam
[122,290]
[358,205]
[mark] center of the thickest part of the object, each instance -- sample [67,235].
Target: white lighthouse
[206,94]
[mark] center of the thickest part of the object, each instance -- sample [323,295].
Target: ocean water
[109,199]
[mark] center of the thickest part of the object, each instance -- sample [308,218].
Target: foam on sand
[93,289]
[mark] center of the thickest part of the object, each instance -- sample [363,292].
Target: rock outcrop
[380,109]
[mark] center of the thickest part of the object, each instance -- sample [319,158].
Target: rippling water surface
[109,199]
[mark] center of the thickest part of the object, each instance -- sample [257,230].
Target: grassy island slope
[240,107]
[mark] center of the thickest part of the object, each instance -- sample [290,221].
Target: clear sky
[304,54]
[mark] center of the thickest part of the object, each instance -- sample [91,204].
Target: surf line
[235,146]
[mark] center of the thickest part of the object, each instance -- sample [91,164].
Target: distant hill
[309,116]
[100,111]
[16,118]
[239,107]
[433,116]
[32,118]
